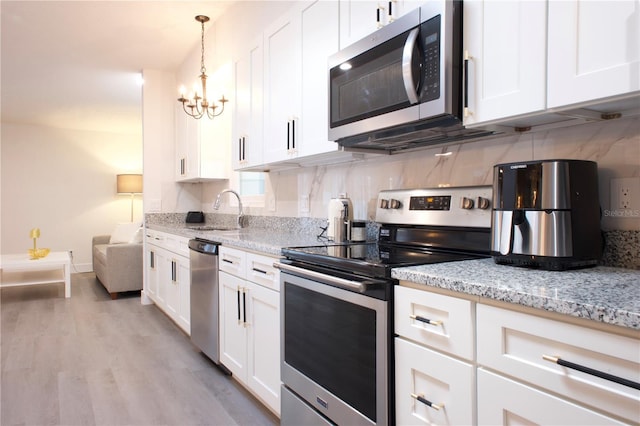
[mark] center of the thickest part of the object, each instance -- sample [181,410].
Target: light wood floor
[90,360]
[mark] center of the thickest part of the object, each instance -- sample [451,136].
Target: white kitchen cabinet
[250,322]
[247,147]
[441,322]
[282,113]
[594,52]
[545,64]
[319,29]
[359,18]
[502,401]
[202,148]
[432,388]
[151,271]
[429,327]
[515,344]
[505,42]
[233,332]
[167,276]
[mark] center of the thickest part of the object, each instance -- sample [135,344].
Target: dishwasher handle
[204,246]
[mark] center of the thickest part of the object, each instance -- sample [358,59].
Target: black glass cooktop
[370,259]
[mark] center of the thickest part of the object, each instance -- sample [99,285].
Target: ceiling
[76,64]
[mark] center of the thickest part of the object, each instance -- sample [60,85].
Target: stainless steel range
[337,310]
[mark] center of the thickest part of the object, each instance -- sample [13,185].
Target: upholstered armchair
[117,262]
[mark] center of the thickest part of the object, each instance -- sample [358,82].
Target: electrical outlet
[304,203]
[625,193]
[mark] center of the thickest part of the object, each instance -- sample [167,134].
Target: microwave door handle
[407,72]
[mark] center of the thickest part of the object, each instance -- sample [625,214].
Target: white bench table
[20,269]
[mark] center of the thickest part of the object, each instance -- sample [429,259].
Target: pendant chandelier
[197,106]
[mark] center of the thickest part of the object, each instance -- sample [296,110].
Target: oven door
[335,347]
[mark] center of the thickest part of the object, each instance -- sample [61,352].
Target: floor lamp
[129,184]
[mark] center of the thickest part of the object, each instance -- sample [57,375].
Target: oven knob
[395,204]
[384,204]
[466,203]
[483,203]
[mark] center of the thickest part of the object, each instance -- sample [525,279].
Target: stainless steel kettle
[339,216]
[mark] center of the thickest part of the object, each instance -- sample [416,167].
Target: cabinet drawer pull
[426,402]
[261,271]
[425,320]
[227,261]
[591,371]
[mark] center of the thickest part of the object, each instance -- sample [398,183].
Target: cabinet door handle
[288,135]
[152,260]
[591,371]
[465,106]
[426,402]
[244,145]
[239,149]
[293,133]
[238,295]
[425,320]
[244,306]
[173,271]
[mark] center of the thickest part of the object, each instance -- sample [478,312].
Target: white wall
[64,182]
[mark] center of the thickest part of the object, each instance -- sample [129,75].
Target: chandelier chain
[203,70]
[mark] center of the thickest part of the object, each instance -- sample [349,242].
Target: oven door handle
[317,276]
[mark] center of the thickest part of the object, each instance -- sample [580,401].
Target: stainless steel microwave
[401,87]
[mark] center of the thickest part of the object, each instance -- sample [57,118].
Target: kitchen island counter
[603,294]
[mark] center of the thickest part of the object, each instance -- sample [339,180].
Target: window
[251,183]
[252,188]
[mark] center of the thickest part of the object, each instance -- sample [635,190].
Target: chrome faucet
[216,206]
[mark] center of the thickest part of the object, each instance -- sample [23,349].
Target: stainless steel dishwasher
[203,259]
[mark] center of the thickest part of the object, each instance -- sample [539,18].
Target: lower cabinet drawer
[502,401]
[260,270]
[425,377]
[525,347]
[435,320]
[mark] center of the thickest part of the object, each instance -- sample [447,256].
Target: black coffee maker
[546,214]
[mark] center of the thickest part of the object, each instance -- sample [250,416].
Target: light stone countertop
[603,294]
[267,241]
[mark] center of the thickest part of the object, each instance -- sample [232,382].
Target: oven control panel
[468,206]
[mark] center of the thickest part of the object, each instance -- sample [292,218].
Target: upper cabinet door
[248,124]
[319,28]
[505,42]
[359,18]
[282,88]
[594,50]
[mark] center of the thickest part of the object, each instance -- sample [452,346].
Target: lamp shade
[129,184]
